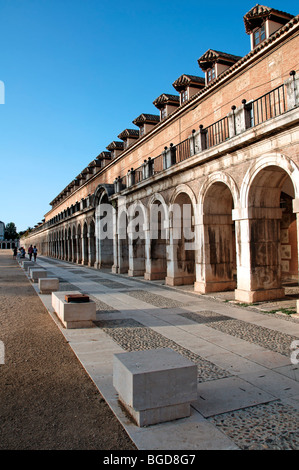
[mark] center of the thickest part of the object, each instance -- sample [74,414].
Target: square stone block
[73,315]
[36,273]
[48,285]
[156,385]
[27,264]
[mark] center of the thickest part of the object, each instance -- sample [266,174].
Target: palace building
[215,204]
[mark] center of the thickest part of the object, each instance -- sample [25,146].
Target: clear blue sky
[77,72]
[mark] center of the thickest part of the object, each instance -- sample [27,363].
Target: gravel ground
[133,336]
[265,337]
[47,401]
[273,426]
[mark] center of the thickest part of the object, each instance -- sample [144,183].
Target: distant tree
[24,233]
[11,231]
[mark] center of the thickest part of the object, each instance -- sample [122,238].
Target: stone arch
[122,240]
[79,243]
[74,243]
[91,242]
[268,196]
[66,247]
[156,249]
[183,188]
[137,235]
[219,177]
[275,160]
[69,243]
[182,237]
[216,263]
[85,243]
[104,225]
[101,189]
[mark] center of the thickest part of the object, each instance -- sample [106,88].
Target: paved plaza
[248,390]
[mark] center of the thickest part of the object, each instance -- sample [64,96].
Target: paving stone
[265,337]
[232,393]
[133,336]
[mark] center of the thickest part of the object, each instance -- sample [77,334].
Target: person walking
[34,253]
[15,252]
[30,251]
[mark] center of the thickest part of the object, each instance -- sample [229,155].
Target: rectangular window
[163,113]
[259,35]
[184,96]
[211,74]
[141,131]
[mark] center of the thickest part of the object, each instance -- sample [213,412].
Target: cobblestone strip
[265,337]
[107,282]
[133,336]
[155,299]
[271,426]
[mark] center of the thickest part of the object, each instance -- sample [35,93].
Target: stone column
[115,266]
[156,240]
[79,249]
[258,254]
[292,90]
[122,241]
[136,253]
[84,249]
[70,249]
[198,140]
[136,257]
[180,256]
[239,119]
[296,211]
[216,254]
[74,249]
[169,156]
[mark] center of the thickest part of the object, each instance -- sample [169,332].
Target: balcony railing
[262,109]
[268,106]
[217,132]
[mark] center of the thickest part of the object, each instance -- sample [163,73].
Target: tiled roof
[115,145]
[146,118]
[104,154]
[258,13]
[188,80]
[94,163]
[211,57]
[133,133]
[166,99]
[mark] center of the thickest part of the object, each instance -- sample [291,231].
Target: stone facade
[2,230]
[6,244]
[209,193]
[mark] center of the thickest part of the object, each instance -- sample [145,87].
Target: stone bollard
[72,314]
[48,285]
[155,385]
[26,264]
[36,273]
